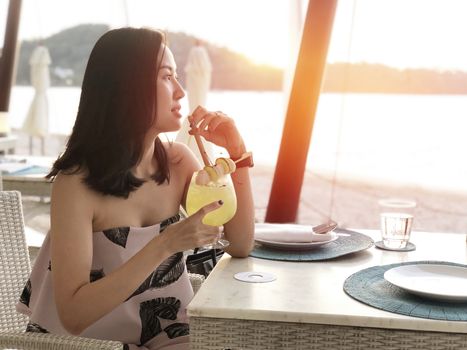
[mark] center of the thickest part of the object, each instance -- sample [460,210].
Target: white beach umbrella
[37,119]
[198,80]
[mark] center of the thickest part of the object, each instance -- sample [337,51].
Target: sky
[399,33]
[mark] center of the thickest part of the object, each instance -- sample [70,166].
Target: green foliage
[70,49]
[377,78]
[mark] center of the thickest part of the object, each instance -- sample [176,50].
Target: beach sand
[354,203]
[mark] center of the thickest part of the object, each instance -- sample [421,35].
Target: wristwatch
[246,160]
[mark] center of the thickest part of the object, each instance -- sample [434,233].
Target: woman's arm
[79,302]
[240,230]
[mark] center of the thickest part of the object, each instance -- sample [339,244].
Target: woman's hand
[218,128]
[191,232]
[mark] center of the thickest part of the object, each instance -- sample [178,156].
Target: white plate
[294,246]
[443,282]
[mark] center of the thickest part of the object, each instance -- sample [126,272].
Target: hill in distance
[70,49]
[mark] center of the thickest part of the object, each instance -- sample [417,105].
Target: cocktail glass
[200,195]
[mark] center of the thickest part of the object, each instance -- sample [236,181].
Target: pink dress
[153,317]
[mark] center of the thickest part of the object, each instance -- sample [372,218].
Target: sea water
[390,138]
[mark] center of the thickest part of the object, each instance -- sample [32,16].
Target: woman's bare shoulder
[69,180]
[72,187]
[180,154]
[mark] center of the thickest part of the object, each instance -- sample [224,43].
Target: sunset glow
[398,33]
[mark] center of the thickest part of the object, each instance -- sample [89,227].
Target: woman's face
[169,93]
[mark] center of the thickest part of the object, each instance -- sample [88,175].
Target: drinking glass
[200,195]
[396,222]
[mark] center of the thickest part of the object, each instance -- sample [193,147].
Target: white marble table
[306,307]
[8,144]
[32,184]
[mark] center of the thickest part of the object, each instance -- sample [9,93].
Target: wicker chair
[15,268]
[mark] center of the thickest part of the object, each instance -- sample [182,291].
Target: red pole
[288,177]
[7,60]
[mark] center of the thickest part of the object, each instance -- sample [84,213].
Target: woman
[112,265]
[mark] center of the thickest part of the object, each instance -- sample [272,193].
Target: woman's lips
[176,111]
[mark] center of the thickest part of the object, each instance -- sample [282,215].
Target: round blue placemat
[352,242]
[369,287]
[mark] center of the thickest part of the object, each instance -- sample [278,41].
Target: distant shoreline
[70,48]
[324,91]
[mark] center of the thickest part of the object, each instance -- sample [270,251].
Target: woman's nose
[179,92]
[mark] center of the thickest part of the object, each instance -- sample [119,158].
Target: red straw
[202,150]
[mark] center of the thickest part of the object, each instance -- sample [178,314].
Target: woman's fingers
[211,232]
[220,119]
[216,127]
[207,234]
[197,115]
[192,233]
[201,213]
[205,120]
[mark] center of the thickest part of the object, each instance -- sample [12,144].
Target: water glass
[396,222]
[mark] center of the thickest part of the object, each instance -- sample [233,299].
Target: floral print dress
[152,317]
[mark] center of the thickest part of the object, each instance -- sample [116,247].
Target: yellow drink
[200,195]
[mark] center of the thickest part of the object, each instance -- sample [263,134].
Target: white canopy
[198,76]
[37,119]
[198,80]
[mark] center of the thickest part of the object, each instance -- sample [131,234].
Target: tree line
[70,49]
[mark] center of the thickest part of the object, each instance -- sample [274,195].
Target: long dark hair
[116,108]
